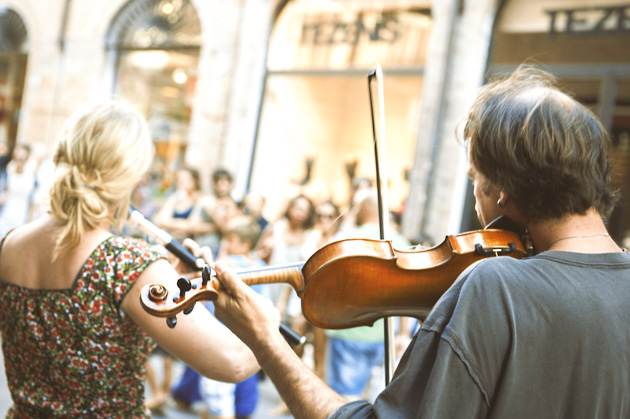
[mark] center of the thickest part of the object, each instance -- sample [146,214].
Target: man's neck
[573,233]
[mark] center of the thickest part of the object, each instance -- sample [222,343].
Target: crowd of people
[537,337]
[239,233]
[234,230]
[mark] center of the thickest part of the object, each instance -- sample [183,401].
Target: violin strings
[342,213]
[411,247]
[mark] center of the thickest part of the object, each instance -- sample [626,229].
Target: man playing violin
[544,336]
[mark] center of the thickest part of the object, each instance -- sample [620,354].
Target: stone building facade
[231,116]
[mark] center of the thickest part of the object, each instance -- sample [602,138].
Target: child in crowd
[227,400]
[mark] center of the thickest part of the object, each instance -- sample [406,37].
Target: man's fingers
[228,280]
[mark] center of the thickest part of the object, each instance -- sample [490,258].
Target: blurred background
[276,91]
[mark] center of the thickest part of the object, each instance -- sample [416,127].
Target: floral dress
[74,352]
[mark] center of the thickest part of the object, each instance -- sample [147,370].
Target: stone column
[458,52]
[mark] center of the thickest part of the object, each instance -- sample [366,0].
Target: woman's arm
[164,217]
[198,339]
[200,221]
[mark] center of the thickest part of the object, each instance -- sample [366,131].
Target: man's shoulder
[477,288]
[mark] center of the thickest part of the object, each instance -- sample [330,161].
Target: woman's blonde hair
[103,151]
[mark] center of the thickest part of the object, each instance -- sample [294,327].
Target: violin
[354,282]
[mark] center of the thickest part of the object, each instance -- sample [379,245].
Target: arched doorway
[154,45]
[13,60]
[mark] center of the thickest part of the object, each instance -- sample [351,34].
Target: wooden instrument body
[355,282]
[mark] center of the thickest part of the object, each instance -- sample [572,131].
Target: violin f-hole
[480,250]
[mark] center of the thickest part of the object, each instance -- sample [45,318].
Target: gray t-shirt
[542,337]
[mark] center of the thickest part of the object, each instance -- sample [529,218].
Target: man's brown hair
[542,147]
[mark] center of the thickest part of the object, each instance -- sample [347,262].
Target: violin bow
[382,192]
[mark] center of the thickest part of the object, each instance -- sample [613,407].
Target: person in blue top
[227,400]
[175,215]
[221,400]
[355,353]
[545,336]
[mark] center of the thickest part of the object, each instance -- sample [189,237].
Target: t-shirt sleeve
[358,409]
[435,383]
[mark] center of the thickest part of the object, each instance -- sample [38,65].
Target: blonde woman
[74,335]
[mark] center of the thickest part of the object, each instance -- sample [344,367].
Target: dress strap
[2,240]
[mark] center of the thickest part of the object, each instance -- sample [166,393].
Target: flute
[137,219]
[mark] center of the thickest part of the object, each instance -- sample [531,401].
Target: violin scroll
[155,297]
[155,300]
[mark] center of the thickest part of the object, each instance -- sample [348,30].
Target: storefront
[586,45]
[276,91]
[314,134]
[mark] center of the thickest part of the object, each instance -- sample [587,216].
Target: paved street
[267,401]
[5,397]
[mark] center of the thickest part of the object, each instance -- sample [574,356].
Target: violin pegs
[184,285]
[171,322]
[205,275]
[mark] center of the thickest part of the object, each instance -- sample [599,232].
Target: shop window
[315,132]
[156,43]
[13,59]
[585,45]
